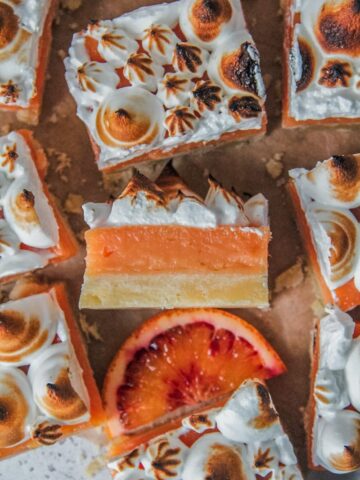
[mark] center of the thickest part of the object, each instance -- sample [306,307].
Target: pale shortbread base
[169,290]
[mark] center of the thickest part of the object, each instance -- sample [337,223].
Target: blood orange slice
[179,360]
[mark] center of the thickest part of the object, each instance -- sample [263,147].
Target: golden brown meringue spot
[9,24]
[268,415]
[157,37]
[141,64]
[338,27]
[24,208]
[207,95]
[335,73]
[307,65]
[244,107]
[61,400]
[349,461]
[345,176]
[9,157]
[17,334]
[140,183]
[208,16]
[13,413]
[224,462]
[238,68]
[166,460]
[188,57]
[180,120]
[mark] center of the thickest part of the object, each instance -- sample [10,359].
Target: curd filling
[242,440]
[21,27]
[329,196]
[336,431]
[28,227]
[115,71]
[34,405]
[325,60]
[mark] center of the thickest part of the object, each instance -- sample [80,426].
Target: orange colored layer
[287,120]
[159,249]
[96,410]
[43,56]
[347,295]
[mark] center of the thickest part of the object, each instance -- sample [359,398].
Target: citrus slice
[181,359]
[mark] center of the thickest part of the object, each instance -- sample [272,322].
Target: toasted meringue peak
[96,77]
[338,442]
[174,90]
[139,183]
[249,415]
[27,326]
[208,22]
[336,73]
[142,71]
[352,375]
[200,422]
[53,390]
[128,463]
[213,456]
[190,59]
[206,95]
[337,27]
[9,157]
[235,65]
[330,391]
[257,210]
[114,44]
[264,457]
[339,230]
[244,106]
[17,411]
[180,120]
[9,25]
[159,41]
[129,118]
[171,184]
[164,458]
[47,433]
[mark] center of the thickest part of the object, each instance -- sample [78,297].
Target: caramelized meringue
[115,45]
[208,22]
[130,117]
[174,90]
[164,458]
[9,25]
[27,326]
[17,412]
[97,78]
[140,70]
[159,41]
[244,106]
[190,59]
[52,383]
[180,120]
[206,95]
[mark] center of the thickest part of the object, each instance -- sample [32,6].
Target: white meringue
[330,391]
[140,70]
[159,41]
[257,210]
[352,374]
[174,90]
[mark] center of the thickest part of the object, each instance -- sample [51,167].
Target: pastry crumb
[63,162]
[74,26]
[274,166]
[61,53]
[90,330]
[290,278]
[5,128]
[71,5]
[53,118]
[73,203]
[267,80]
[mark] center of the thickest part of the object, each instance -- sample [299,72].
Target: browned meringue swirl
[13,413]
[225,462]
[238,69]
[165,460]
[345,176]
[338,27]
[207,95]
[180,120]
[335,73]
[47,433]
[19,335]
[244,107]
[158,37]
[307,65]
[187,57]
[141,64]
[61,400]
[208,16]
[9,25]
[349,461]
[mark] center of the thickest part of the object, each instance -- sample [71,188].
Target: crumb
[74,26]
[71,5]
[53,118]
[73,203]
[290,278]
[63,160]
[90,331]
[267,80]
[275,166]
[61,53]
[5,128]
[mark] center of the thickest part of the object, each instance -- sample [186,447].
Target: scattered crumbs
[274,166]
[95,466]
[71,4]
[317,308]
[90,330]
[290,278]
[5,128]
[267,80]
[53,118]
[280,182]
[63,161]
[73,203]
[61,53]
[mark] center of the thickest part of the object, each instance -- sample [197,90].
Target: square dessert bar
[47,389]
[243,439]
[321,62]
[327,201]
[32,231]
[333,412]
[25,41]
[160,245]
[166,79]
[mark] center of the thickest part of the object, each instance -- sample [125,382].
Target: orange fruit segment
[179,360]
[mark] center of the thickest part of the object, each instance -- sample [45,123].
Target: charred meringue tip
[141,183]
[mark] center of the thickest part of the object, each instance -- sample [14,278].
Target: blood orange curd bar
[160,245]
[166,79]
[321,62]
[33,232]
[47,389]
[25,41]
[333,412]
[327,201]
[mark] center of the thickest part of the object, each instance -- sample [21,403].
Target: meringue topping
[94,77]
[173,90]
[307,65]
[159,41]
[206,95]
[114,43]
[190,59]
[244,107]
[165,458]
[9,25]
[141,70]
[336,73]
[47,433]
[180,120]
